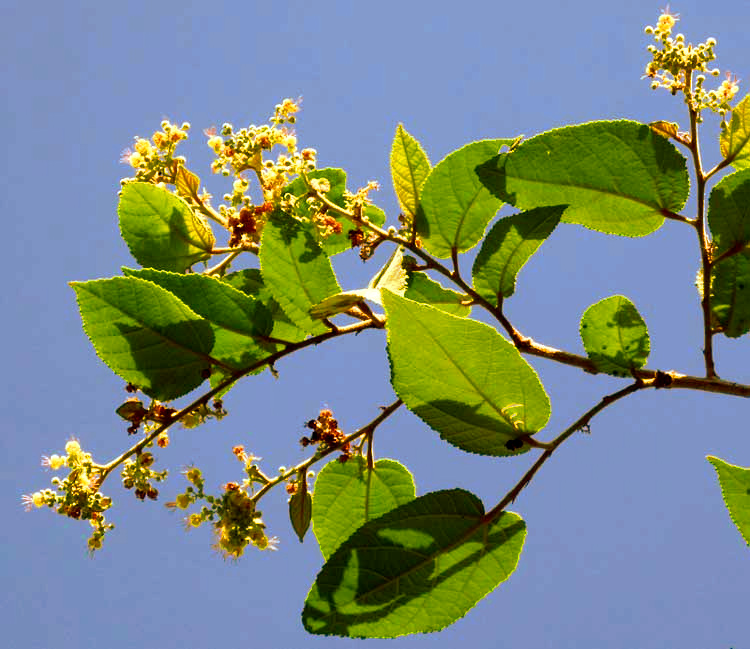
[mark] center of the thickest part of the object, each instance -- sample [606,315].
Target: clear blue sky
[628,544]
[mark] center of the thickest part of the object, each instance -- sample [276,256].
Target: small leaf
[160,228]
[729,212]
[730,294]
[665,129]
[186,182]
[615,336]
[300,508]
[416,569]
[508,246]
[486,395]
[735,488]
[146,335]
[296,270]
[348,494]
[617,177]
[455,207]
[734,141]
[422,288]
[409,169]
[392,275]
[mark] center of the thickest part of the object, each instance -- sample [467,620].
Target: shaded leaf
[735,489]
[508,246]
[734,141]
[730,294]
[409,169]
[729,212]
[250,282]
[348,494]
[160,228]
[455,207]
[300,509]
[416,569]
[617,177]
[615,336]
[486,394]
[146,335]
[240,323]
[295,270]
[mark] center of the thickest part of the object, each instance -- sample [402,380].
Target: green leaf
[296,270]
[730,294]
[239,322]
[250,282]
[300,509]
[455,207]
[422,288]
[617,177]
[160,228]
[729,212]
[415,569]
[615,336]
[146,335]
[735,488]
[334,243]
[508,246]
[734,141]
[463,378]
[409,169]
[347,495]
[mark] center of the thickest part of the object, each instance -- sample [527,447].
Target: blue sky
[628,543]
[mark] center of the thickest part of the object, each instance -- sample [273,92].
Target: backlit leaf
[348,494]
[615,336]
[146,335]
[296,270]
[508,246]
[617,177]
[416,569]
[409,169]
[729,211]
[455,207]
[734,142]
[462,378]
[239,323]
[735,488]
[161,230]
[422,288]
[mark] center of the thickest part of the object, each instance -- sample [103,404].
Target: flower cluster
[674,62]
[76,496]
[326,432]
[154,160]
[233,514]
[137,474]
[136,413]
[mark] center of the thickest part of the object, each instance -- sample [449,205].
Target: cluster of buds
[76,496]
[245,225]
[154,159]
[138,474]
[326,432]
[674,62]
[203,413]
[233,514]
